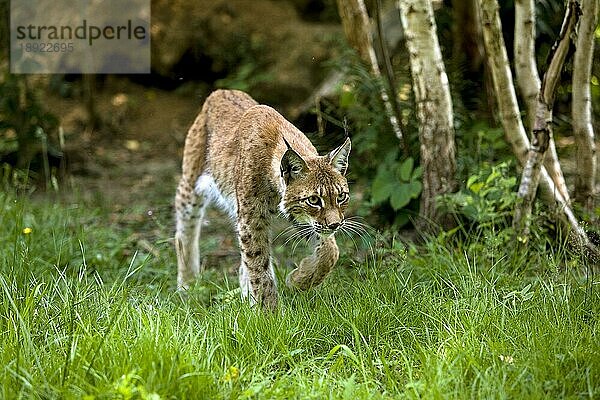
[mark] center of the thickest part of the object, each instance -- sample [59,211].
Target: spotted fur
[254,164]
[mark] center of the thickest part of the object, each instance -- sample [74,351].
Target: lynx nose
[333,226]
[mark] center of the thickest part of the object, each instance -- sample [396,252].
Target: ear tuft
[338,158]
[292,166]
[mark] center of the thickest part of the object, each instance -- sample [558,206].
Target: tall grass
[84,313]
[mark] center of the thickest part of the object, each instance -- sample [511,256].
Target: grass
[86,312]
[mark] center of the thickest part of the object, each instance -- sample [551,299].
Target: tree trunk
[542,126]
[434,108]
[467,50]
[510,115]
[529,84]
[526,71]
[582,106]
[502,79]
[357,29]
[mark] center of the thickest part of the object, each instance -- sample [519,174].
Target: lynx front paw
[263,294]
[267,301]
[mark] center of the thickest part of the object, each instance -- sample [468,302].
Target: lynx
[255,165]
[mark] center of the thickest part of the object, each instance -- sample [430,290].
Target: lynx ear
[338,158]
[292,165]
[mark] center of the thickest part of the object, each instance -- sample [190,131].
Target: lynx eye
[342,198]
[314,201]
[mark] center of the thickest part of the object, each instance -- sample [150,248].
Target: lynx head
[316,192]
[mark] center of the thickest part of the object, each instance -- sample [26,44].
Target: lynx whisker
[358,227]
[305,234]
[285,231]
[351,237]
[357,221]
[351,226]
[300,231]
[357,230]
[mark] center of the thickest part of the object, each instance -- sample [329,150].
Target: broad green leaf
[470,212]
[414,189]
[405,169]
[401,220]
[417,173]
[400,197]
[383,185]
[493,176]
[390,158]
[472,179]
[476,187]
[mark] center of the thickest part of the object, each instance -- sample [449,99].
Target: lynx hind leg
[190,203]
[189,207]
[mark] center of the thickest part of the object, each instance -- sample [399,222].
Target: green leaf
[417,173]
[472,179]
[401,220]
[476,187]
[383,185]
[390,159]
[471,212]
[405,169]
[493,176]
[414,188]
[400,197]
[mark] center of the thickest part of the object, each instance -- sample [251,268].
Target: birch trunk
[357,29]
[434,107]
[582,106]
[529,84]
[502,79]
[510,115]
[526,71]
[542,125]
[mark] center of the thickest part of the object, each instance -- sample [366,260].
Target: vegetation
[25,124]
[86,313]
